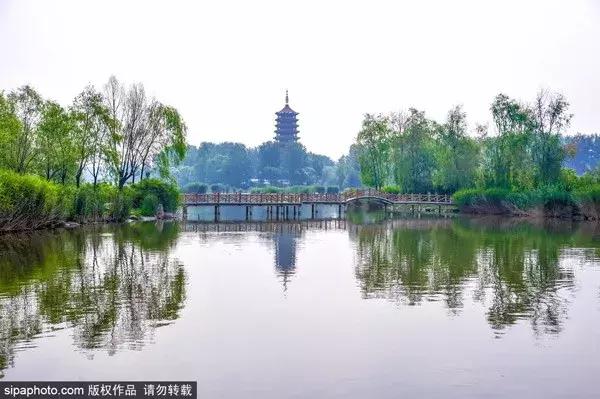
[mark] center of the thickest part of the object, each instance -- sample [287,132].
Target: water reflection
[517,269]
[111,285]
[283,236]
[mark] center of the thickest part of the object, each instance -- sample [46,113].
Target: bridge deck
[247,199]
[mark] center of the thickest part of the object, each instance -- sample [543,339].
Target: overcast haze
[225,65]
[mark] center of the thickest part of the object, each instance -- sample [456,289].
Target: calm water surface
[447,308]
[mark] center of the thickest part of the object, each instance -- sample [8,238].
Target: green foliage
[30,202]
[235,165]
[121,205]
[391,189]
[493,198]
[95,203]
[373,142]
[195,188]
[333,189]
[419,155]
[266,190]
[167,193]
[149,205]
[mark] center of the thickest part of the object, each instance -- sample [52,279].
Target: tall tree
[10,129]
[551,118]
[91,136]
[373,142]
[457,155]
[56,143]
[27,105]
[145,132]
[413,149]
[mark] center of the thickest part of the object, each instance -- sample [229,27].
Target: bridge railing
[278,198]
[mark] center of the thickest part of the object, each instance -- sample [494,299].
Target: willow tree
[508,159]
[145,134]
[27,105]
[373,142]
[413,149]
[551,118]
[55,144]
[91,136]
[10,127]
[457,155]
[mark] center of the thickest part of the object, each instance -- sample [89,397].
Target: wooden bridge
[299,199]
[289,205]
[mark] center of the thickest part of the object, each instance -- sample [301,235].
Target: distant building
[286,124]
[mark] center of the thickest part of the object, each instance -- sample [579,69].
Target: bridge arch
[370,198]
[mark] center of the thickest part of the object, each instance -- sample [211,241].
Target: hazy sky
[226,64]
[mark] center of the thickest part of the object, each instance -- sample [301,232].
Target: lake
[350,308]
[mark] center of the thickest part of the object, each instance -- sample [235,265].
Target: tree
[56,144]
[10,128]
[508,160]
[90,140]
[373,142]
[27,105]
[457,156]
[146,132]
[551,118]
[348,168]
[413,149]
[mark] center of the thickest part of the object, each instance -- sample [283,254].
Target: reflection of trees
[515,270]
[113,286]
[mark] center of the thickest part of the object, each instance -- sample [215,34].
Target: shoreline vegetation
[517,171]
[106,157]
[116,154]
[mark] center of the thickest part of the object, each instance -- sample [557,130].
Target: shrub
[92,203]
[120,207]
[391,189]
[319,190]
[167,193]
[149,205]
[29,202]
[332,190]
[266,190]
[195,188]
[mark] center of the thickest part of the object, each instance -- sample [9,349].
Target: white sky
[226,64]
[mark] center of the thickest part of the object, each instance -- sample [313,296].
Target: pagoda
[286,124]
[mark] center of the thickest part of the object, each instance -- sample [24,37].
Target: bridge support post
[339,211]
[184,213]
[277,212]
[312,211]
[247,212]
[217,213]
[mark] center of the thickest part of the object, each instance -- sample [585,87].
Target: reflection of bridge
[288,205]
[268,226]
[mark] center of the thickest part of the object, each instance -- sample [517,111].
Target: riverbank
[29,202]
[582,204]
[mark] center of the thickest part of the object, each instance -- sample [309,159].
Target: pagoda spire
[287,100]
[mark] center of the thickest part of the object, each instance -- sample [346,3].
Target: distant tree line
[235,166]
